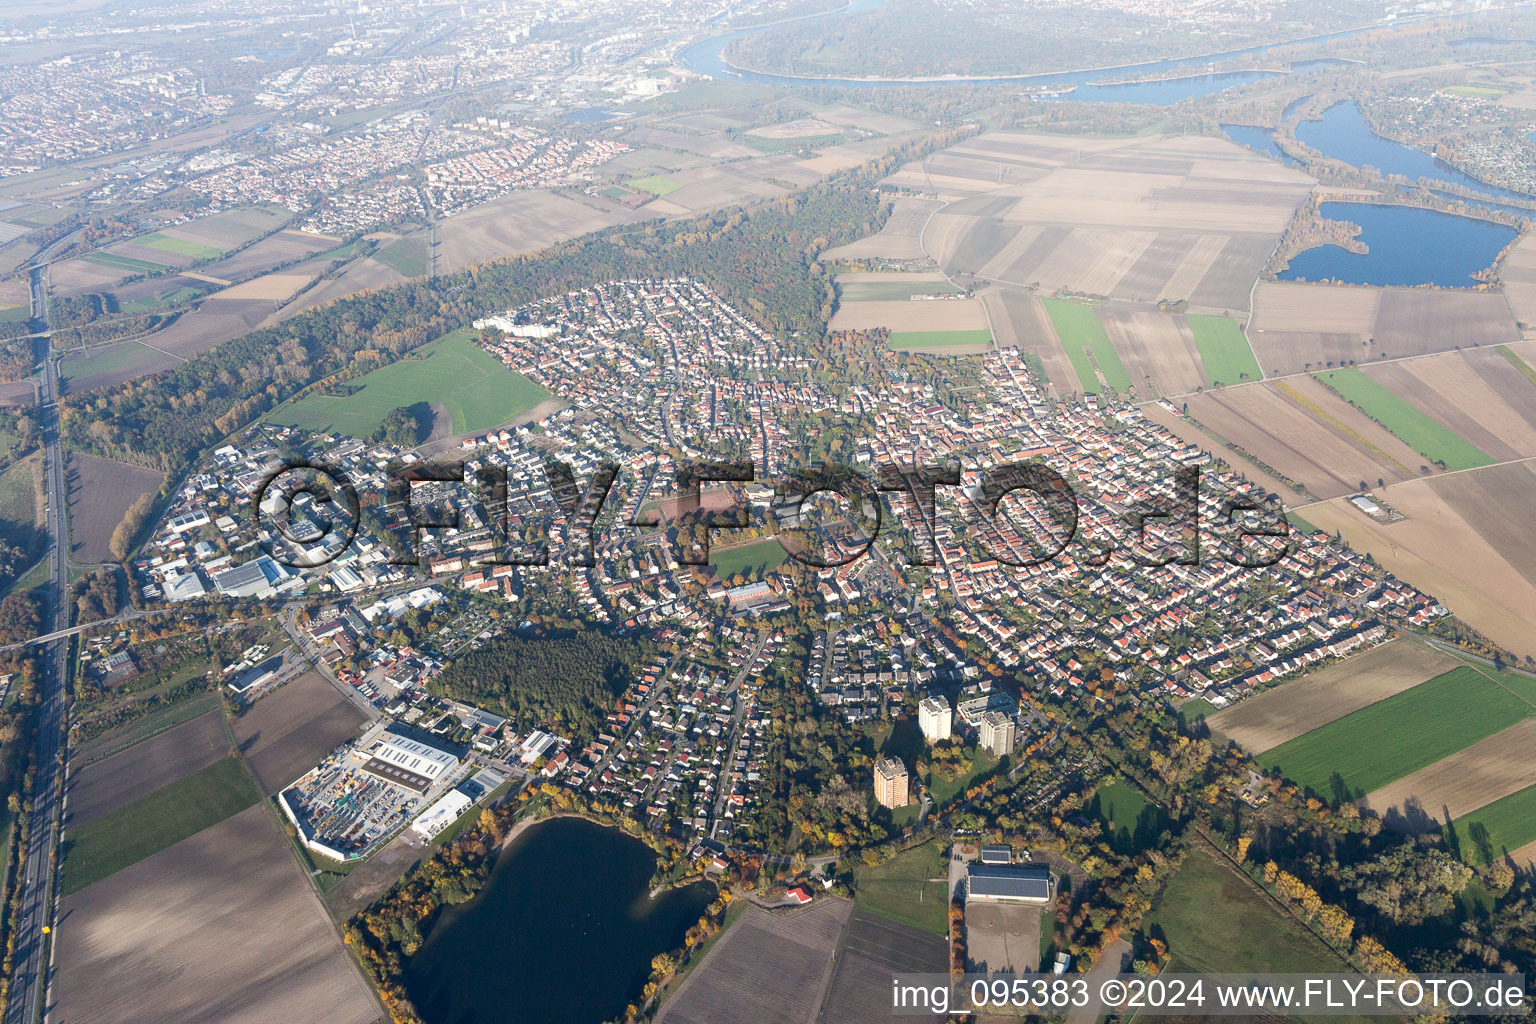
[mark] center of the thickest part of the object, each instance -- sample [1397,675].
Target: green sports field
[476,389]
[753,560]
[105,846]
[1499,828]
[1428,437]
[1079,328]
[1224,350]
[902,341]
[1385,741]
[655,184]
[180,246]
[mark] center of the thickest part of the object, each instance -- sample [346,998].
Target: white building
[441,814]
[997,733]
[936,719]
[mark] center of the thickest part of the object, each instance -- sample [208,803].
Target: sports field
[1079,329]
[910,888]
[1427,437]
[149,825]
[1223,350]
[476,389]
[179,246]
[1363,751]
[1497,829]
[655,184]
[751,560]
[902,341]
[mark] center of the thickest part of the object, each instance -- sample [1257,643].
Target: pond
[1408,246]
[563,930]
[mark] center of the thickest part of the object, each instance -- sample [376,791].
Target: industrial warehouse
[368,790]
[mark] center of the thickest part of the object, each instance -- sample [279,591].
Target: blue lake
[1344,135]
[1408,246]
[1254,137]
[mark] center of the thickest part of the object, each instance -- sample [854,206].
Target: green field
[164,818]
[128,263]
[1194,710]
[944,790]
[1079,328]
[911,887]
[789,145]
[655,184]
[892,291]
[15,314]
[754,561]
[162,300]
[106,359]
[905,340]
[1428,437]
[1131,820]
[407,255]
[1474,91]
[180,246]
[473,385]
[18,492]
[1215,920]
[1500,828]
[1223,350]
[1382,742]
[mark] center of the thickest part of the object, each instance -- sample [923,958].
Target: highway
[29,979]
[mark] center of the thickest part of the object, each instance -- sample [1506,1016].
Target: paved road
[29,980]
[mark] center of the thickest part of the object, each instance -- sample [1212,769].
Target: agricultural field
[1466,541]
[276,250]
[655,184]
[1140,219]
[1469,779]
[890,287]
[910,887]
[471,386]
[287,732]
[1296,708]
[1307,434]
[165,817]
[1480,395]
[1518,273]
[179,246]
[940,341]
[1503,828]
[359,275]
[270,288]
[766,967]
[899,239]
[1299,328]
[132,774]
[903,315]
[754,560]
[1224,350]
[519,223]
[220,928]
[1427,437]
[874,948]
[408,256]
[100,491]
[1383,742]
[1088,348]
[1020,321]
[1158,350]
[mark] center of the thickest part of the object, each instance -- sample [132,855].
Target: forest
[567,682]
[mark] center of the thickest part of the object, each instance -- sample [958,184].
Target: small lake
[1408,246]
[562,931]
[1344,135]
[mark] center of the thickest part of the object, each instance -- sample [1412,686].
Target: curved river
[708,57]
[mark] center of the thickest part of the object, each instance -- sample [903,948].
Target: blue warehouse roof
[1009,881]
